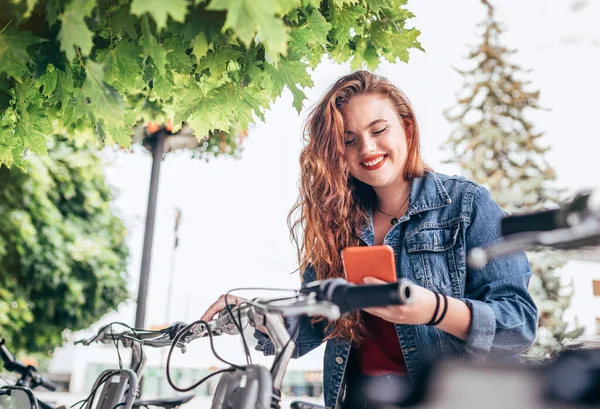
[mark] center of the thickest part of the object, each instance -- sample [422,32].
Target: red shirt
[380,353]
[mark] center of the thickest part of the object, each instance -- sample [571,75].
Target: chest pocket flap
[433,239]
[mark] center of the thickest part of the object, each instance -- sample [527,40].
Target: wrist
[432,310]
[440,310]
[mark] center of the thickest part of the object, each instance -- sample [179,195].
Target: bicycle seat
[167,403]
[305,405]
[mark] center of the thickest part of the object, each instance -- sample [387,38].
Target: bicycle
[17,397]
[30,378]
[571,381]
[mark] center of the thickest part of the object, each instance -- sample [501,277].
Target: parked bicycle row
[570,381]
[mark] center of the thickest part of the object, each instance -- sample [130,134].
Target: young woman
[363,182]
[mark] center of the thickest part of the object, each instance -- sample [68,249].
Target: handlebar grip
[355,297]
[349,297]
[47,384]
[544,220]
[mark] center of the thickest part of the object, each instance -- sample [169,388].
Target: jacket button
[339,360]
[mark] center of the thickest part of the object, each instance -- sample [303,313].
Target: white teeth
[373,162]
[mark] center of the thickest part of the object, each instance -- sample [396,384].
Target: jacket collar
[426,193]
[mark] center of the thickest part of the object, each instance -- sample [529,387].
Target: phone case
[369,261]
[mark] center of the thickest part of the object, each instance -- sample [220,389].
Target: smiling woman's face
[376,148]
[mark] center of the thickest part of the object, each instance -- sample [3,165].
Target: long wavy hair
[332,205]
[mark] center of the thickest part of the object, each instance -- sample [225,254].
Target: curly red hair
[332,205]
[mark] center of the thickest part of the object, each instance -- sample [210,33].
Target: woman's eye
[350,141]
[379,131]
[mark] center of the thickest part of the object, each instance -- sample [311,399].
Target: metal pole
[167,321]
[157,150]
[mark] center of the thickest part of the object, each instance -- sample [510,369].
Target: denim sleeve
[306,335]
[503,314]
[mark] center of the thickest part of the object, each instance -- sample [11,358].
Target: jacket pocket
[432,253]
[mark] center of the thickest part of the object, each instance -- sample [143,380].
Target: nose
[367,145]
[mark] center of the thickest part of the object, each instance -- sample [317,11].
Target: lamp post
[157,140]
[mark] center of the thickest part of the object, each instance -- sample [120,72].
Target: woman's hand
[220,304]
[419,312]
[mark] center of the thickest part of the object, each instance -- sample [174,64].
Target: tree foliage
[68,65]
[495,144]
[62,252]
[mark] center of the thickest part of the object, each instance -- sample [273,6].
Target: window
[596,284]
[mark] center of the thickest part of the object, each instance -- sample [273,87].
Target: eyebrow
[370,125]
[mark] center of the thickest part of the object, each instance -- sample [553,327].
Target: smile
[374,162]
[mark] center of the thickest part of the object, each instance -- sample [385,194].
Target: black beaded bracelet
[437,308]
[443,311]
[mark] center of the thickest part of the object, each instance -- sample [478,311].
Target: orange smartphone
[369,261]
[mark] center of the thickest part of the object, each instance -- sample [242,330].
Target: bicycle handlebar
[26,371]
[160,338]
[573,226]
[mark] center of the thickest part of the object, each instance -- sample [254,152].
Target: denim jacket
[447,216]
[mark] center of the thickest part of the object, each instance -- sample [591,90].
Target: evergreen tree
[495,144]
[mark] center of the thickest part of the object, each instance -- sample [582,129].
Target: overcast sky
[234,232]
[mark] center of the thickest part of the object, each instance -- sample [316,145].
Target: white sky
[234,231]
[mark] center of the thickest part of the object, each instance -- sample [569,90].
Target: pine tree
[496,145]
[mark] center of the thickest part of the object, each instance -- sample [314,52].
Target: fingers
[373,280]
[220,304]
[213,309]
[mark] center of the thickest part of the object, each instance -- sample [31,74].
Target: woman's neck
[391,198]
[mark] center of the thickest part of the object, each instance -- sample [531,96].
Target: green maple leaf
[177,57]
[76,109]
[282,7]
[202,111]
[33,126]
[399,45]
[105,103]
[49,80]
[64,87]
[120,134]
[216,61]
[53,9]
[311,3]
[365,53]
[348,20]
[340,3]
[314,31]
[33,135]
[187,100]
[377,6]
[73,31]
[200,46]
[244,102]
[160,10]
[248,18]
[123,22]
[122,68]
[13,51]
[396,12]
[152,48]
[291,74]
[341,54]
[8,151]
